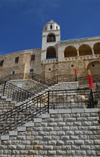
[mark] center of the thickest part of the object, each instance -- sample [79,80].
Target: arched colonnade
[83,50]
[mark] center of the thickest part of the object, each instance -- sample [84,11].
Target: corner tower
[50,37]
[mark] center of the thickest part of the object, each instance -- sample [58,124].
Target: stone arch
[70,51]
[51,52]
[94,67]
[51,37]
[96,48]
[85,50]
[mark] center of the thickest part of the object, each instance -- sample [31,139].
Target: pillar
[77,53]
[93,55]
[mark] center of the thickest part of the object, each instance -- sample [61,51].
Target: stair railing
[55,99]
[21,114]
[15,93]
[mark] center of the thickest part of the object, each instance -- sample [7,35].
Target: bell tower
[50,37]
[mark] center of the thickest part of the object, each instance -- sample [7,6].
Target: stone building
[59,121]
[56,57]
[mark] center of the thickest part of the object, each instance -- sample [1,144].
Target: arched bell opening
[51,37]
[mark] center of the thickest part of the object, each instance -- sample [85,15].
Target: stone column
[77,53]
[93,55]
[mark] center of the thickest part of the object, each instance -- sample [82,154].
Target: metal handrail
[21,114]
[55,99]
[15,93]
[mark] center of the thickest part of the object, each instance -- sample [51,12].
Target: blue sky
[21,21]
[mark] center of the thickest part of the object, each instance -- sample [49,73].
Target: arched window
[51,38]
[50,26]
[56,27]
[97,48]
[70,51]
[51,53]
[85,50]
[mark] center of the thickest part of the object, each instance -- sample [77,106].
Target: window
[13,72]
[50,26]
[1,62]
[56,27]
[32,57]
[16,59]
[31,70]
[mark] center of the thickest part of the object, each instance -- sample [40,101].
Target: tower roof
[51,22]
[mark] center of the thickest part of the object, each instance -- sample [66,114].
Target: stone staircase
[71,130]
[7,102]
[11,96]
[61,133]
[38,88]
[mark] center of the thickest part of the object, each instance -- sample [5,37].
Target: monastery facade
[55,57]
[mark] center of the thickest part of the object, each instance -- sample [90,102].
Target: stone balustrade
[49,61]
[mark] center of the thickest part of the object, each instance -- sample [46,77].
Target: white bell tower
[50,37]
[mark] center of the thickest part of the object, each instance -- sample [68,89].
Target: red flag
[90,81]
[75,71]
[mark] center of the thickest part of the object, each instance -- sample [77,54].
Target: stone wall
[35,64]
[62,68]
[8,70]
[24,65]
[47,69]
[94,67]
[71,132]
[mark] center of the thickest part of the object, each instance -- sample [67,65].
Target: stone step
[8,99]
[4,97]
[69,106]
